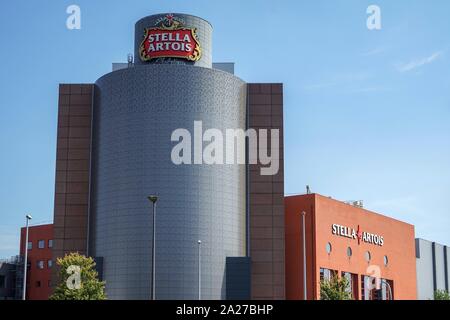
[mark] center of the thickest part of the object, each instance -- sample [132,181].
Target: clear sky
[367,113]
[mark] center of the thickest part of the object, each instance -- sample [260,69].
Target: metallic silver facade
[135,113]
[204,33]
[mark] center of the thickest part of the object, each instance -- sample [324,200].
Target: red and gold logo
[170,40]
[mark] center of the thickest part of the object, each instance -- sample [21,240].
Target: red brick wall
[266,196]
[36,275]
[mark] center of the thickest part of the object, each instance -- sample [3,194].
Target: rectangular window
[49,283]
[355,279]
[333,273]
[38,284]
[49,264]
[50,243]
[387,289]
[348,276]
[352,281]
[30,245]
[322,274]
[327,274]
[363,288]
[40,264]
[41,244]
[2,282]
[368,288]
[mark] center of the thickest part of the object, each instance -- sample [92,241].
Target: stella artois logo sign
[357,234]
[170,39]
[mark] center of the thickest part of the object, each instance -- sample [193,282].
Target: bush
[441,295]
[335,289]
[78,279]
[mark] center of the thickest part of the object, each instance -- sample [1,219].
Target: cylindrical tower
[136,111]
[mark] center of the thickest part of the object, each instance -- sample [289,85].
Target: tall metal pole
[154,252]
[199,270]
[305,296]
[24,291]
[153,200]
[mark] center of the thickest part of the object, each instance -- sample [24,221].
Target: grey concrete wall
[424,267]
[424,263]
[448,268]
[440,269]
[204,33]
[135,113]
[224,66]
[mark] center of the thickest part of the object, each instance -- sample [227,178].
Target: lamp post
[28,218]
[153,199]
[199,269]
[305,296]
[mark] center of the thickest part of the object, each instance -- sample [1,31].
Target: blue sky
[367,113]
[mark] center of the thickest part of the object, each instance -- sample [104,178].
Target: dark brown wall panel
[266,198]
[72,169]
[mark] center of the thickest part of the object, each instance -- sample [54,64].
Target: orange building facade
[374,252]
[40,263]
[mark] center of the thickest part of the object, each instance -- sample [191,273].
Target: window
[327,274]
[41,244]
[352,280]
[349,252]
[30,245]
[49,264]
[2,282]
[49,283]
[365,287]
[386,261]
[50,243]
[38,284]
[369,287]
[387,287]
[40,264]
[368,256]
[329,248]
[322,274]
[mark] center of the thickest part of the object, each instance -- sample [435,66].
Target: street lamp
[199,269]
[28,218]
[153,199]
[305,297]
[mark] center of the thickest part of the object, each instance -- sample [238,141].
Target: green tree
[78,279]
[441,295]
[335,289]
